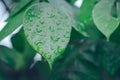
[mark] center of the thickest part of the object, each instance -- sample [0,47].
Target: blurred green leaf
[110,53]
[47,32]
[77,64]
[1,76]
[14,22]
[93,32]
[18,41]
[25,49]
[11,57]
[20,6]
[85,15]
[115,37]
[103,19]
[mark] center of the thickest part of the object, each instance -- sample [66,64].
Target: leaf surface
[103,19]
[47,29]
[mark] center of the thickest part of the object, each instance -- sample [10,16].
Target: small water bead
[40,11]
[60,49]
[41,21]
[38,43]
[30,19]
[68,31]
[55,51]
[48,56]
[55,39]
[52,48]
[40,50]
[66,17]
[39,30]
[63,40]
[58,23]
[37,25]
[28,29]
[38,16]
[52,15]
[51,29]
[31,14]
[59,12]
[66,36]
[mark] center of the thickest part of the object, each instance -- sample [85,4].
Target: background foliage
[93,51]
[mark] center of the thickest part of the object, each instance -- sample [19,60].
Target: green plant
[78,43]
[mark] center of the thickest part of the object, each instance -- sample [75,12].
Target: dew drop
[42,22]
[38,16]
[40,11]
[68,31]
[66,36]
[48,56]
[55,38]
[52,15]
[40,50]
[38,30]
[37,25]
[31,19]
[51,29]
[59,49]
[52,48]
[63,40]
[55,51]
[28,29]
[57,23]
[38,43]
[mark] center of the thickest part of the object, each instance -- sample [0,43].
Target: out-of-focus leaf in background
[22,4]
[103,19]
[109,61]
[11,57]
[14,21]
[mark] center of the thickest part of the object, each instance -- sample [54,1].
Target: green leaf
[11,57]
[13,23]
[84,16]
[103,19]
[20,43]
[20,6]
[47,29]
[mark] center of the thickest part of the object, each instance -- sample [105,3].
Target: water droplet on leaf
[52,15]
[42,22]
[38,43]
[55,38]
[38,30]
[57,23]
[66,36]
[59,49]
[51,29]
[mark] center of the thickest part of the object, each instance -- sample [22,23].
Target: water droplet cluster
[47,29]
